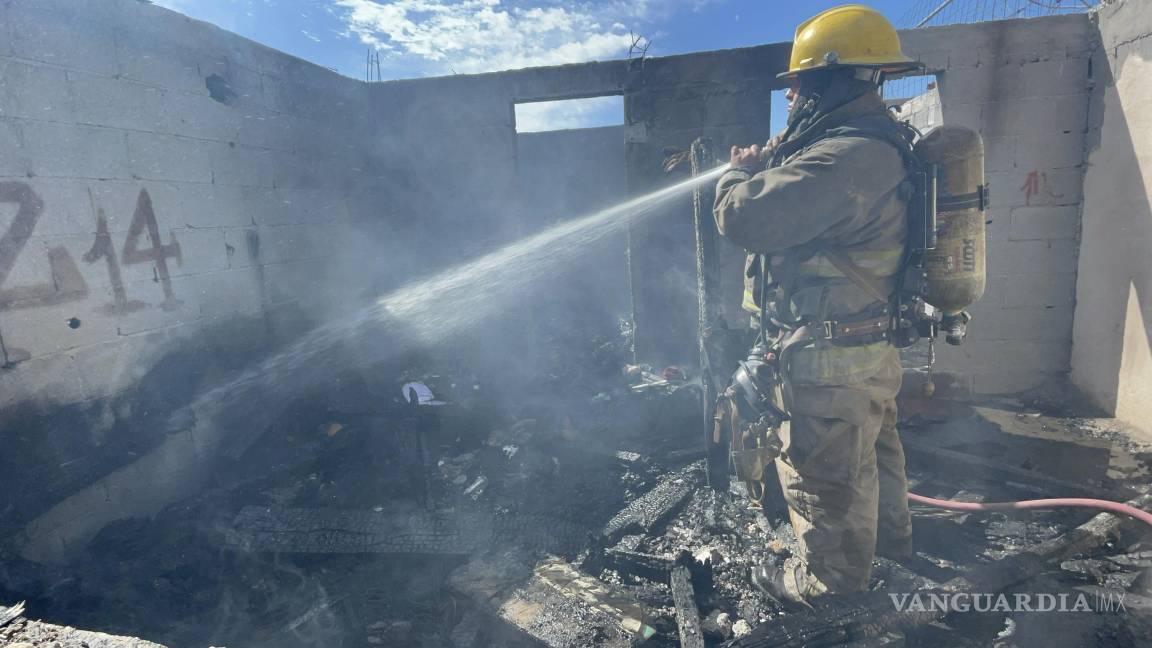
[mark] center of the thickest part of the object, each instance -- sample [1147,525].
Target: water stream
[430,310]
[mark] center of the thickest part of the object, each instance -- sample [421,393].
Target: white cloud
[463,36]
[575,113]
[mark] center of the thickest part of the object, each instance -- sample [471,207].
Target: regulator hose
[1027,505]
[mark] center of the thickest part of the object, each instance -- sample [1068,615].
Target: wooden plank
[687,613]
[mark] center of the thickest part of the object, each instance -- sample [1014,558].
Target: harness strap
[858,275]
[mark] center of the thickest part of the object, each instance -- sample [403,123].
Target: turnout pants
[842,473]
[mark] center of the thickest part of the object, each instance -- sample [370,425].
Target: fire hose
[1027,505]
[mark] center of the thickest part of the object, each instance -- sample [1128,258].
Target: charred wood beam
[931,457]
[687,613]
[633,563]
[841,619]
[708,310]
[655,506]
[1086,537]
[328,531]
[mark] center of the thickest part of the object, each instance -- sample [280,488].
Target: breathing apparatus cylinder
[954,267]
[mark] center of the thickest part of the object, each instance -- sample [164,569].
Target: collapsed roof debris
[357,538]
[361,385]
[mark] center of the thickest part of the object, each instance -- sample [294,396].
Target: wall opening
[569,114]
[914,99]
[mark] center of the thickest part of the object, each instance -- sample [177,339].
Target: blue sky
[436,37]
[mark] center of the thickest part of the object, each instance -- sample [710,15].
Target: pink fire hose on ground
[1026,505]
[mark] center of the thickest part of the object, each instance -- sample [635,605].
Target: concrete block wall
[148,204]
[1112,336]
[1024,85]
[153,237]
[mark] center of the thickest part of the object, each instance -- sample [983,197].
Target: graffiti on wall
[65,283]
[1036,184]
[158,253]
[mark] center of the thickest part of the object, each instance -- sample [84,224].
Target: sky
[416,38]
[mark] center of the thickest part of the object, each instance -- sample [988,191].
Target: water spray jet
[429,310]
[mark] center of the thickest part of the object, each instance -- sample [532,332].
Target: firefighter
[825,200]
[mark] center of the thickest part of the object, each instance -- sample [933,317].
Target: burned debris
[373,367]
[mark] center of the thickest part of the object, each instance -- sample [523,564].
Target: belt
[835,330]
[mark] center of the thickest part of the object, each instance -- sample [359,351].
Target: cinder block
[1000,153]
[48,380]
[118,200]
[1032,223]
[69,151]
[117,103]
[294,171]
[202,250]
[67,206]
[1031,290]
[79,36]
[160,311]
[31,271]
[269,130]
[306,206]
[244,83]
[997,221]
[34,92]
[227,294]
[166,49]
[1005,355]
[215,205]
[286,243]
[978,84]
[1036,116]
[1057,76]
[1036,188]
[1016,76]
[14,163]
[201,117]
[167,157]
[994,292]
[240,165]
[1053,151]
[44,330]
[243,247]
[1037,257]
[95,274]
[1025,323]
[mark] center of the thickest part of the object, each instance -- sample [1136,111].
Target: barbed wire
[933,13]
[929,13]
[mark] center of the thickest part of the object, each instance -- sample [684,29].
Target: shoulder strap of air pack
[901,136]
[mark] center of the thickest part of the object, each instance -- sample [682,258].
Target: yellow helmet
[847,36]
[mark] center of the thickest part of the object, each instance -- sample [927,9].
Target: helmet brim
[895,67]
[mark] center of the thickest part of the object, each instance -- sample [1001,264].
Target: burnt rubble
[566,516]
